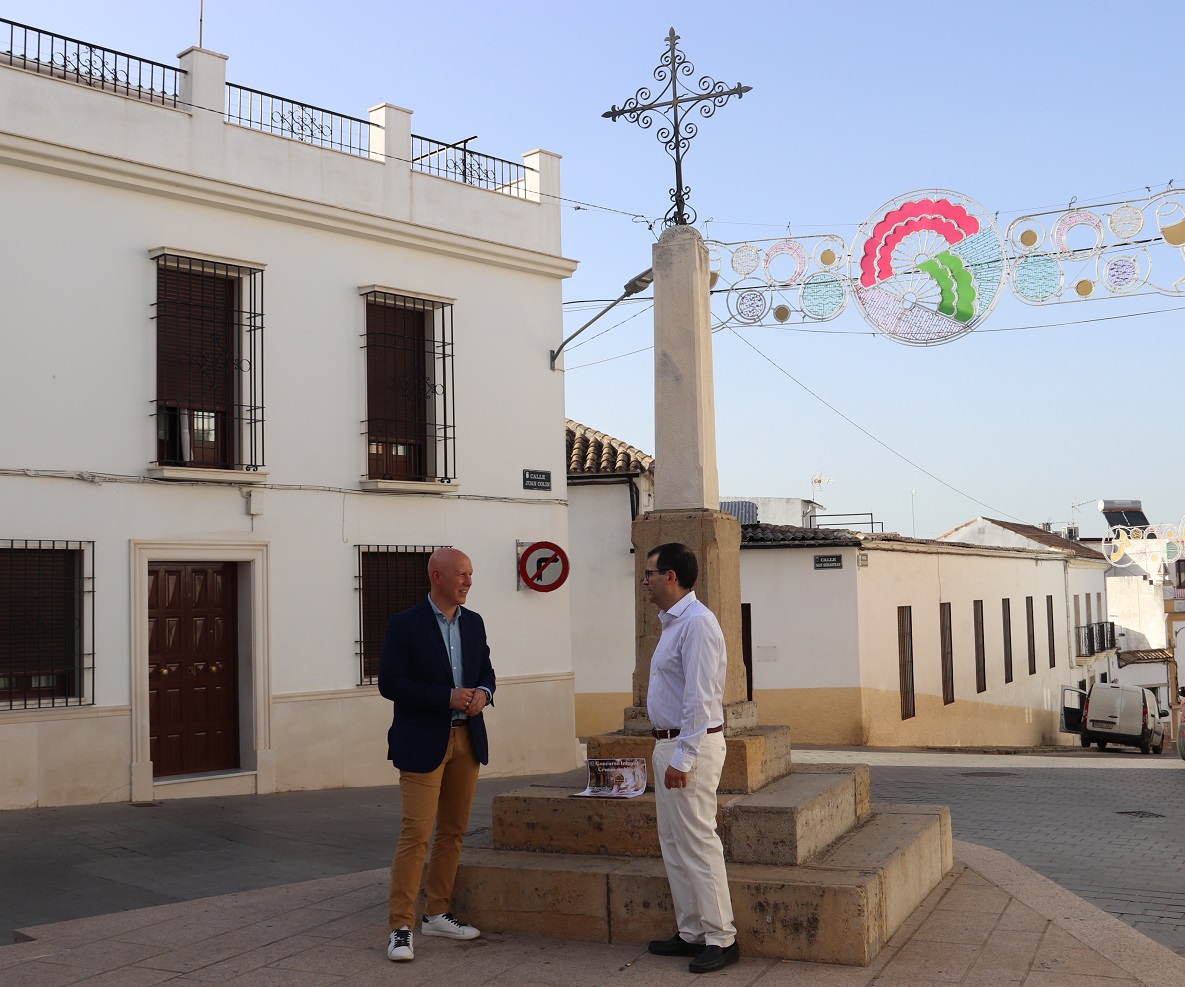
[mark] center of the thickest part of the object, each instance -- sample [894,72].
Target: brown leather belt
[669,734]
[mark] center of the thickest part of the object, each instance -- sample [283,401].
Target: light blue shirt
[450,632]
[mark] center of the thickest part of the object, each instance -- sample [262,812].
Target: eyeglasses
[647,573]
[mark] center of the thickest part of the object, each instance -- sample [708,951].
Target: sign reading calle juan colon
[536,479]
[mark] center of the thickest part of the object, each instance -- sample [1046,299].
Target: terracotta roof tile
[776,535]
[1042,537]
[1139,657]
[593,453]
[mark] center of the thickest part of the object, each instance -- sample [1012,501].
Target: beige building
[261,360]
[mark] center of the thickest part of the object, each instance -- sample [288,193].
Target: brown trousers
[443,796]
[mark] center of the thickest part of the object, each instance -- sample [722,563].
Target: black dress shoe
[675,946]
[715,958]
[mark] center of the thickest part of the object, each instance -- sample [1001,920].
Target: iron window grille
[209,364]
[34,50]
[409,428]
[1006,631]
[948,654]
[980,651]
[905,660]
[391,579]
[47,623]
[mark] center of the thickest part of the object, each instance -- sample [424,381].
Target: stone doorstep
[754,759]
[787,822]
[826,912]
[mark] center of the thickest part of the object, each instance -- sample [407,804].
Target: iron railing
[458,163]
[391,579]
[55,55]
[863,521]
[296,121]
[1090,639]
[47,623]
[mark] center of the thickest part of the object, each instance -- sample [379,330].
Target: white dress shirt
[687,673]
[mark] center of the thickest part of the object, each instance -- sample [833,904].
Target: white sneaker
[399,946]
[449,926]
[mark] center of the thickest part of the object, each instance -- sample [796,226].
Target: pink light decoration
[943,217]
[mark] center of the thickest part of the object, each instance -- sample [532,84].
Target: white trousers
[690,845]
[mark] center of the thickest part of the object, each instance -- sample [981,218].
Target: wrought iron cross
[675,103]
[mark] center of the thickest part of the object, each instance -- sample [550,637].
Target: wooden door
[192,668]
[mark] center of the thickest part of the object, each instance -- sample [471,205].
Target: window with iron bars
[209,364]
[47,623]
[391,579]
[409,424]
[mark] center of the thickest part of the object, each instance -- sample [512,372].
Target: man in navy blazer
[435,668]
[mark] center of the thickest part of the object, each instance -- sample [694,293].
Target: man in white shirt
[685,703]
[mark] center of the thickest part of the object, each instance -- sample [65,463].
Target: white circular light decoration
[927,267]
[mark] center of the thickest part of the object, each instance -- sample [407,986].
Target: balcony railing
[40,51]
[457,162]
[1090,639]
[297,121]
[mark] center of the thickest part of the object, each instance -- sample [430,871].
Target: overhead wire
[861,428]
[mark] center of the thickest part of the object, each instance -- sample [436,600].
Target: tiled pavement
[991,922]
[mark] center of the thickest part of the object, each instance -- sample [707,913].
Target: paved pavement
[993,921]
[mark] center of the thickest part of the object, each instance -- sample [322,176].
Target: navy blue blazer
[415,674]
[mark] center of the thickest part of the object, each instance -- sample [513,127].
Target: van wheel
[1084,740]
[1101,744]
[1145,744]
[1158,748]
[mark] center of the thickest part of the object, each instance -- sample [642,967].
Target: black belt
[669,734]
[460,722]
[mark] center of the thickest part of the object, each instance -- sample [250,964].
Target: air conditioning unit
[1071,532]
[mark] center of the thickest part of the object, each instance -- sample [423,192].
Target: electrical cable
[883,444]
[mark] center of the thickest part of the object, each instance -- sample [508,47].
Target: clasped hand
[468,701]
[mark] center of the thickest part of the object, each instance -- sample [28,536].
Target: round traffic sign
[543,566]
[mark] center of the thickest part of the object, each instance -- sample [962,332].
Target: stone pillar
[684,399]
[390,144]
[686,486]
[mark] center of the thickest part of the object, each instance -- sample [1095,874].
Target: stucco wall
[94,182]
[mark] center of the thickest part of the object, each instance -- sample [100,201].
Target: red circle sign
[543,566]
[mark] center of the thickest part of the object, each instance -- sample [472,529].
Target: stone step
[755,757]
[840,909]
[787,822]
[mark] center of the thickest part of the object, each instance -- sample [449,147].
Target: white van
[1114,714]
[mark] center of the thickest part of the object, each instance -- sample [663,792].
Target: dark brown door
[192,668]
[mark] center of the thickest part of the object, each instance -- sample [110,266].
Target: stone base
[841,908]
[754,758]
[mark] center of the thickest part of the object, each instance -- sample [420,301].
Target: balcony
[106,69]
[1093,639]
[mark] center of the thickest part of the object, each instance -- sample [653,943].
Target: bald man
[436,669]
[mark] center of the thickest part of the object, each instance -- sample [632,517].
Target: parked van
[1114,714]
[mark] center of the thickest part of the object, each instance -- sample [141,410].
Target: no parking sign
[543,566]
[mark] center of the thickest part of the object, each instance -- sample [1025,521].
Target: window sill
[195,474]
[409,486]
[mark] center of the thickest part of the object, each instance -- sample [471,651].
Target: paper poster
[615,778]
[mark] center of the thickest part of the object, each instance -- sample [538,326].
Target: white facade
[96,182]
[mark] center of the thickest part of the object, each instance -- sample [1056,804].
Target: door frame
[254,620]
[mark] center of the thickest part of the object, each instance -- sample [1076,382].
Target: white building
[851,637]
[212,496]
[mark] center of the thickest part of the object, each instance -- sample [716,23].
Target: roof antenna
[201,18]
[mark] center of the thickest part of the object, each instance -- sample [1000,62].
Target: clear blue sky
[1020,105]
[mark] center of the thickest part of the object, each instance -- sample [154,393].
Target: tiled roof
[776,535]
[1042,537]
[1140,657]
[593,453]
